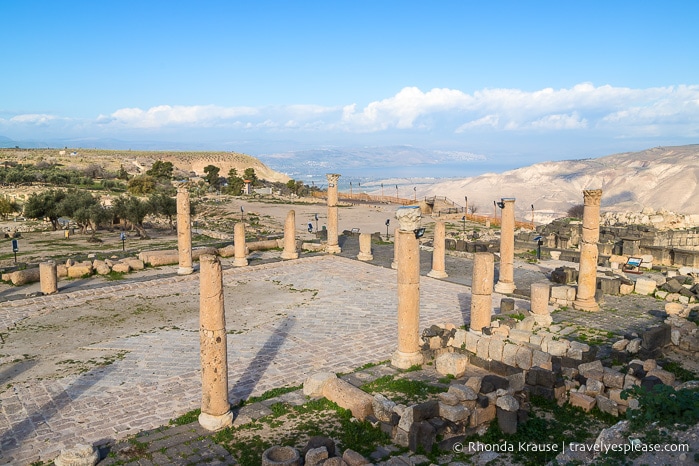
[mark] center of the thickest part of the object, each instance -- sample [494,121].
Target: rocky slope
[662,178]
[136,162]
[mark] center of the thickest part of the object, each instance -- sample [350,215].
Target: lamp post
[316,216]
[350,189]
[122,237]
[532,216]
[415,191]
[463,219]
[381,189]
[495,210]
[396,193]
[465,205]
[388,222]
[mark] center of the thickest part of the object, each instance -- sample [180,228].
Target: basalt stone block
[496,382]
[480,362]
[421,434]
[450,244]
[507,305]
[460,245]
[507,421]
[610,286]
[482,401]
[656,337]
[650,381]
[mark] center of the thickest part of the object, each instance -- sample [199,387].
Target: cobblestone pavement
[349,322]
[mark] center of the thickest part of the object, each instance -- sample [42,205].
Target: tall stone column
[289,251]
[408,353]
[48,276]
[438,269]
[333,246]
[396,250]
[184,231]
[481,291]
[540,303]
[587,277]
[506,280]
[239,245]
[215,409]
[365,247]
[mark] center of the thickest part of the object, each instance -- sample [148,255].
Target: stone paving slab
[350,322]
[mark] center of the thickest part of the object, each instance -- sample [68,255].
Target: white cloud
[166,115]
[614,111]
[33,118]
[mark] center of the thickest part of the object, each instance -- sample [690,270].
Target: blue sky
[524,81]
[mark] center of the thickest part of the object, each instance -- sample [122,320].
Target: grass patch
[681,374]
[275,392]
[186,418]
[402,390]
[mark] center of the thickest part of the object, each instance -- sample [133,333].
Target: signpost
[15,248]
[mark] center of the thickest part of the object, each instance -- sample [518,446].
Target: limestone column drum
[438,270]
[506,280]
[408,353]
[215,409]
[587,277]
[48,276]
[540,303]
[333,246]
[184,230]
[396,251]
[481,291]
[239,245]
[289,251]
[365,247]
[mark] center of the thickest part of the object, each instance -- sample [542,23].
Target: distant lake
[371,175]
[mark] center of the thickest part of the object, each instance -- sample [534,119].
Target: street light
[388,221]
[463,229]
[532,216]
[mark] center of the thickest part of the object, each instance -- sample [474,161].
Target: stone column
[438,251]
[506,280]
[408,353]
[587,277]
[481,291]
[239,245]
[215,409]
[184,231]
[365,247]
[396,251]
[289,251]
[48,276]
[540,303]
[333,246]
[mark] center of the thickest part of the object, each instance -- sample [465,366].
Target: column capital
[332,178]
[592,196]
[183,187]
[409,217]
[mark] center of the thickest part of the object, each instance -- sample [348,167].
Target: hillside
[136,162]
[660,178]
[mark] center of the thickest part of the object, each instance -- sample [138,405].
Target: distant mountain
[661,178]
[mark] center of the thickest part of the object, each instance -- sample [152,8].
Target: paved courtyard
[285,321]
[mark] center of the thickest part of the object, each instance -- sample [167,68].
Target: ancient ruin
[365,247]
[408,353]
[438,269]
[333,246]
[215,407]
[506,283]
[184,230]
[587,277]
[481,291]
[290,251]
[240,246]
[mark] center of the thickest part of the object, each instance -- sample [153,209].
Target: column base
[215,423]
[437,274]
[403,360]
[240,262]
[394,265]
[334,249]
[290,255]
[185,270]
[365,257]
[543,320]
[589,305]
[504,287]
